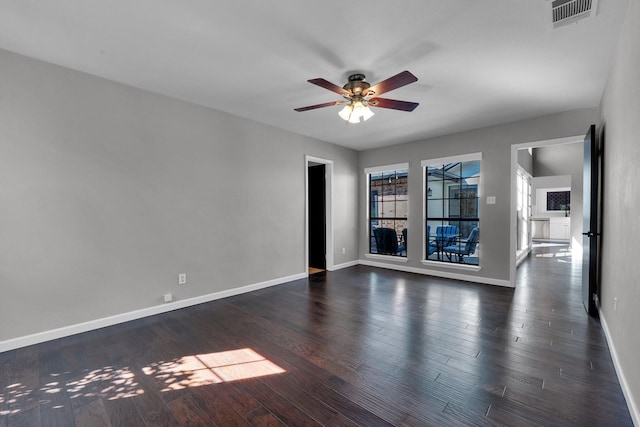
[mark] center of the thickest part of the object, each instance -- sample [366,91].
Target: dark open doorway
[317,217]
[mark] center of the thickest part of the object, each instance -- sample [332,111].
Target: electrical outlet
[615,305]
[344,251]
[182,279]
[168,297]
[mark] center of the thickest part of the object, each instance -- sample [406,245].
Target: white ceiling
[478,63]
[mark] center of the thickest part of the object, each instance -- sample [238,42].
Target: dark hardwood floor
[359,346]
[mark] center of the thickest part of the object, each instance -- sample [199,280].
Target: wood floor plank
[279,406]
[348,407]
[29,417]
[188,413]
[260,417]
[123,413]
[220,407]
[341,421]
[92,415]
[292,387]
[499,416]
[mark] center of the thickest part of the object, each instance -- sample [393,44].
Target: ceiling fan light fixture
[364,111]
[345,113]
[355,111]
[354,119]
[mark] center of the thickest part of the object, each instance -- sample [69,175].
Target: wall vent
[565,12]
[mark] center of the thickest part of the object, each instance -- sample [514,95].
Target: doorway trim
[512,209]
[310,161]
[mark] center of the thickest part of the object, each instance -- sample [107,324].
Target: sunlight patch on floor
[211,368]
[109,382]
[555,250]
[555,255]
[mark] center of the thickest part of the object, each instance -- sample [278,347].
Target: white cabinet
[540,228]
[560,228]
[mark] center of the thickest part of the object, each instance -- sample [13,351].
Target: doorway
[538,219]
[319,254]
[317,219]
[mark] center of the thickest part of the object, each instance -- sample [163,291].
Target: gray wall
[108,192]
[565,159]
[620,126]
[495,144]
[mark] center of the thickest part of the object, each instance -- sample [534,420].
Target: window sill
[387,258]
[452,265]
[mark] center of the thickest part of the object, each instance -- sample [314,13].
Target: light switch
[491,200]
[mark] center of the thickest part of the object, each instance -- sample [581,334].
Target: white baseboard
[438,273]
[624,384]
[344,265]
[523,256]
[137,314]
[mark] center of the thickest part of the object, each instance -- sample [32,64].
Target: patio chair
[387,241]
[446,235]
[404,245]
[468,248]
[431,246]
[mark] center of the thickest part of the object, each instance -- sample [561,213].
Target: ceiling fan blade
[328,85]
[313,107]
[399,80]
[393,104]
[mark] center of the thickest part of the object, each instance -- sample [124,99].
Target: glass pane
[434,173]
[436,189]
[435,208]
[453,170]
[388,176]
[387,208]
[402,207]
[470,169]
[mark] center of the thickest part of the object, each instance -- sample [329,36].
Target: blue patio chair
[431,246]
[446,235]
[468,248]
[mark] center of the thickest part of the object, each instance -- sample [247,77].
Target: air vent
[565,12]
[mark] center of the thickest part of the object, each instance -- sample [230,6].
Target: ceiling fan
[360,95]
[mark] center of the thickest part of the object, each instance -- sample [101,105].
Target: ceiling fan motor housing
[357,86]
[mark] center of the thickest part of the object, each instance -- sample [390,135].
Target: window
[388,209]
[559,200]
[452,209]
